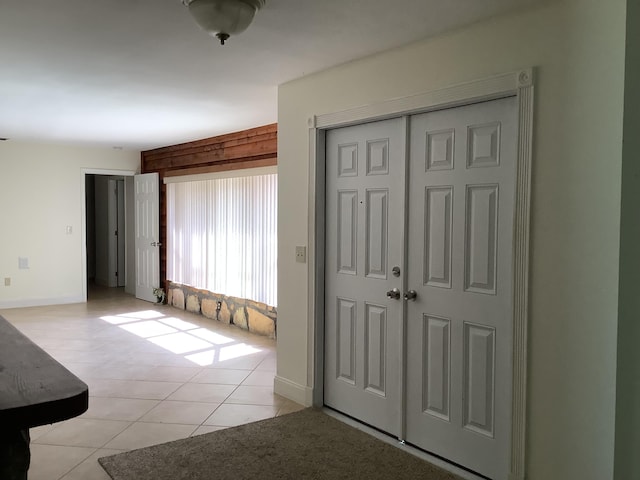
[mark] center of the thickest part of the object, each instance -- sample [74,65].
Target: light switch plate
[7,281]
[301,254]
[23,263]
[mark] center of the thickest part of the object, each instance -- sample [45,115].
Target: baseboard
[40,302]
[293,391]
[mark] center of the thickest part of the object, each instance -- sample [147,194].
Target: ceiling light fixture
[223,18]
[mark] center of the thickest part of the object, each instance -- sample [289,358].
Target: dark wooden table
[34,390]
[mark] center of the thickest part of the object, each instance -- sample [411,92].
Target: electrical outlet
[301,254]
[7,281]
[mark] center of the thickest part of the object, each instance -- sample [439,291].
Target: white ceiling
[141,74]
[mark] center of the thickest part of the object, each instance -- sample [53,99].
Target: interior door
[365,172]
[459,326]
[116,233]
[112,231]
[147,238]
[447,343]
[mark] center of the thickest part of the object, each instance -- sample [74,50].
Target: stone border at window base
[256,317]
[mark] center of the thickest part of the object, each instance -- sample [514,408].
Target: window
[222,233]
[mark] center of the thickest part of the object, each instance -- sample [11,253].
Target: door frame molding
[519,84]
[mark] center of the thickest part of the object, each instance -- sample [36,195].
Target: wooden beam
[230,137]
[212,155]
[267,162]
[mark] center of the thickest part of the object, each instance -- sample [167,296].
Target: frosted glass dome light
[223,18]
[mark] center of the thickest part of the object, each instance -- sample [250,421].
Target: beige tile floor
[155,374]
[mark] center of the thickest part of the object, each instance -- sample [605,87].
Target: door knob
[394,293]
[410,295]
[156,244]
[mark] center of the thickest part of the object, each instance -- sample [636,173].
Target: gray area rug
[304,445]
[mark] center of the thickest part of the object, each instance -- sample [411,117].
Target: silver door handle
[410,295]
[156,244]
[393,293]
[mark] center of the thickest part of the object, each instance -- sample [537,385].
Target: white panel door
[116,233]
[459,327]
[365,174]
[147,241]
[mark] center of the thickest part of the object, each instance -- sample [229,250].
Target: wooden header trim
[267,162]
[257,143]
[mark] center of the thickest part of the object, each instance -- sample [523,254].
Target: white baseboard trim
[293,391]
[40,302]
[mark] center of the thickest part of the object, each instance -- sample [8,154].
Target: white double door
[423,207]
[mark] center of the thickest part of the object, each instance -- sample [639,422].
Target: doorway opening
[108,229]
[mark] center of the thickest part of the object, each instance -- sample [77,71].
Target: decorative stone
[231,305]
[225,314]
[256,317]
[240,319]
[178,299]
[261,307]
[209,308]
[260,324]
[193,304]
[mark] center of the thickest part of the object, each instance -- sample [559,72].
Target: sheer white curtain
[222,236]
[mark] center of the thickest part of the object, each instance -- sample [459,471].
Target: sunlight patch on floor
[180,343]
[148,329]
[236,351]
[203,346]
[210,336]
[204,359]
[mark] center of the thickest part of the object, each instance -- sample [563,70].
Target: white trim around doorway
[520,84]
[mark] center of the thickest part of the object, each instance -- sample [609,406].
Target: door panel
[376,233]
[481,232]
[147,200]
[479,375]
[347,231]
[459,328]
[346,341]
[437,245]
[364,192]
[437,370]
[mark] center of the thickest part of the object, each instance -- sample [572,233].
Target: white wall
[41,194]
[577,47]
